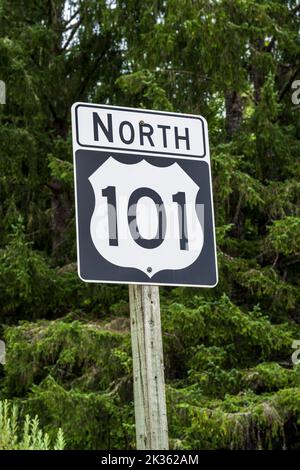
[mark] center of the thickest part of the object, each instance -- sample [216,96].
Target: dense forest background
[231,382]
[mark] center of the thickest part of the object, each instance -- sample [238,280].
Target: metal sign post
[148,368]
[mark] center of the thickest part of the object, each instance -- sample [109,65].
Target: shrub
[18,434]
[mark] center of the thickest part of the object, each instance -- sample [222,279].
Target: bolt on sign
[144,207]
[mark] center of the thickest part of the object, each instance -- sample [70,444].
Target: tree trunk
[234,113]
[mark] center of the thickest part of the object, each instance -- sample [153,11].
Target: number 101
[179,198]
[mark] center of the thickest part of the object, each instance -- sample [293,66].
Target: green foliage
[267,377]
[61,170]
[91,420]
[143,86]
[77,375]
[89,356]
[243,421]
[230,380]
[28,437]
[245,337]
[284,236]
[27,282]
[30,288]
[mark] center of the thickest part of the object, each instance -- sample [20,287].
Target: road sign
[144,206]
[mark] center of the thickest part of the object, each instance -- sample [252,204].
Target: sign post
[144,217]
[148,368]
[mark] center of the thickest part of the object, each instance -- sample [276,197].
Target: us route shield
[124,250]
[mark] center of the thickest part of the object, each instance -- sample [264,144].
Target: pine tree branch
[72,34]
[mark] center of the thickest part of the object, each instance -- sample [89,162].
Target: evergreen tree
[231,382]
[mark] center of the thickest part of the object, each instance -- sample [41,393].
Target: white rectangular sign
[105,127]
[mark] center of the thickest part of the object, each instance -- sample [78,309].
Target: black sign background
[93,267]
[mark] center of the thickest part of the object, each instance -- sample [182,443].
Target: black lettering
[107,131]
[110,194]
[146,133]
[131,138]
[164,133]
[181,137]
[161,214]
[180,199]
